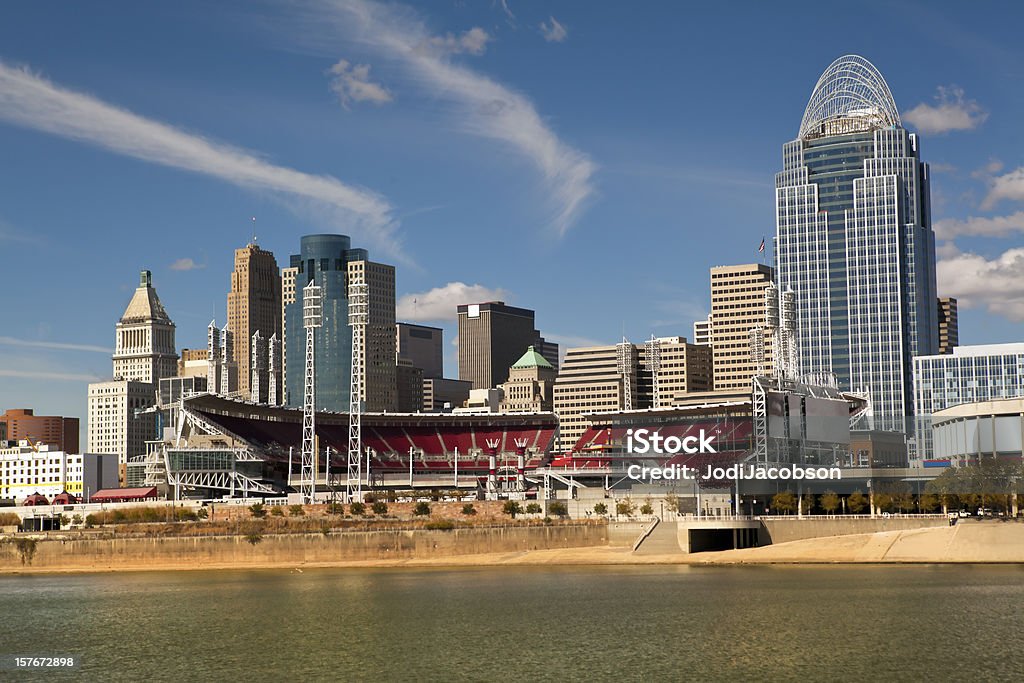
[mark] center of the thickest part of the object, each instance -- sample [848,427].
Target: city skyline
[161,163]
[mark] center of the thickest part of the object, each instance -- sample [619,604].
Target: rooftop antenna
[254,229]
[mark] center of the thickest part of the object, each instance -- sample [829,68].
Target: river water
[561,623]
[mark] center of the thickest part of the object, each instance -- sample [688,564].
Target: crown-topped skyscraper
[855,243]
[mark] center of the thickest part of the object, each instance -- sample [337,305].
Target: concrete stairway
[662,540]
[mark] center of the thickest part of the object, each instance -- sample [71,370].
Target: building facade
[254,305]
[444,395]
[114,425]
[332,263]
[742,345]
[949,327]
[855,243]
[422,346]
[493,336]
[530,385]
[702,331]
[144,348]
[60,433]
[966,433]
[288,276]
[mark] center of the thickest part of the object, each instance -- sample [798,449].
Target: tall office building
[422,346]
[288,276]
[493,336]
[949,328]
[144,343]
[529,385]
[116,423]
[855,243]
[254,305]
[741,324]
[702,331]
[332,263]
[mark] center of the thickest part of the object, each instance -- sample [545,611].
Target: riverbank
[588,544]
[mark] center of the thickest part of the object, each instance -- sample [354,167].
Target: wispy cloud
[186,264]
[977,226]
[38,374]
[1007,186]
[11,234]
[441,303]
[570,341]
[28,100]
[951,111]
[482,106]
[997,284]
[474,42]
[351,83]
[553,31]
[39,344]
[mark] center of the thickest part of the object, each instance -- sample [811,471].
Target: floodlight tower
[312,318]
[625,354]
[357,319]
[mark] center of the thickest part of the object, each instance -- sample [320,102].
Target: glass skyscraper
[325,259]
[855,243]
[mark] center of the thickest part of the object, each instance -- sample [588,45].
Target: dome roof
[851,94]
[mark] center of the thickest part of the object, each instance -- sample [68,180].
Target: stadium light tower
[312,318]
[357,319]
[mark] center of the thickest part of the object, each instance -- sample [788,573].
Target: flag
[760,249]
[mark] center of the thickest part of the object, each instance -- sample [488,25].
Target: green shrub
[380,507]
[511,508]
[77,519]
[558,508]
[296,511]
[335,509]
[357,508]
[277,511]
[422,508]
[441,525]
[600,509]
[203,513]
[532,508]
[646,509]
[258,510]
[468,509]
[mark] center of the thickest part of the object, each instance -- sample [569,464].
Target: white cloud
[988,170]
[441,303]
[1007,186]
[570,341]
[993,226]
[351,83]
[186,264]
[482,106]
[29,100]
[951,112]
[474,41]
[996,284]
[947,250]
[63,346]
[553,32]
[508,13]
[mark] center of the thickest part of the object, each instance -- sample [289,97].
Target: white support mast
[312,318]
[357,319]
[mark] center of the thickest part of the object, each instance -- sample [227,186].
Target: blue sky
[587,160]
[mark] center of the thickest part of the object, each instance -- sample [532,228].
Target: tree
[829,502]
[856,502]
[335,509]
[558,508]
[257,510]
[203,513]
[422,508]
[625,507]
[672,503]
[928,502]
[276,511]
[511,508]
[532,508]
[600,509]
[468,509]
[807,503]
[647,508]
[380,507]
[357,508]
[296,511]
[784,501]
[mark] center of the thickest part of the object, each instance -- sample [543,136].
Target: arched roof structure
[851,88]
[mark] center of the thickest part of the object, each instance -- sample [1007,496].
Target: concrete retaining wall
[784,530]
[295,549]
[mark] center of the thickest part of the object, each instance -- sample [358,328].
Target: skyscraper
[493,336]
[855,243]
[949,327]
[741,325]
[254,305]
[331,261]
[144,338]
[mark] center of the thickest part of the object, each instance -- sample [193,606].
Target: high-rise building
[423,346]
[855,243]
[331,262]
[144,348]
[702,332]
[493,336]
[443,395]
[656,374]
[116,424]
[742,343]
[529,385]
[288,276]
[949,329]
[193,363]
[53,430]
[254,305]
[409,386]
